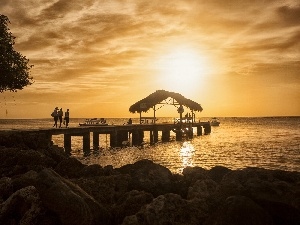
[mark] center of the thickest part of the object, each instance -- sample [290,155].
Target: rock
[148,176]
[238,210]
[105,189]
[36,139]
[22,207]
[8,161]
[109,170]
[139,193]
[180,185]
[202,189]
[56,153]
[281,213]
[132,220]
[68,201]
[268,189]
[292,177]
[24,180]
[24,139]
[6,188]
[217,173]
[34,160]
[69,168]
[263,184]
[129,204]
[203,192]
[167,209]
[91,171]
[18,161]
[192,174]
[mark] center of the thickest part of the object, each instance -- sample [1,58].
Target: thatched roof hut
[160,95]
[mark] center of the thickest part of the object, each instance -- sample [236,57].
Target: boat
[214,121]
[94,122]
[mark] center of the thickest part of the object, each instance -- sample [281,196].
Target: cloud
[86,46]
[289,15]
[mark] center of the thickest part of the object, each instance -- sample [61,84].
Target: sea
[239,142]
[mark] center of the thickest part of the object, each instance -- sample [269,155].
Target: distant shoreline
[224,117]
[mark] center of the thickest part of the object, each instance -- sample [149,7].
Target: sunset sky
[97,58]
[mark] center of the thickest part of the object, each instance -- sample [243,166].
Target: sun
[181,69]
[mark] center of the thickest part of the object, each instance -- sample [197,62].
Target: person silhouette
[67,118]
[55,116]
[60,115]
[129,121]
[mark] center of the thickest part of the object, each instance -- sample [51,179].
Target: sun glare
[182,69]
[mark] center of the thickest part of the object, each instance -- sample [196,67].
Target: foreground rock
[168,209]
[40,184]
[149,177]
[68,201]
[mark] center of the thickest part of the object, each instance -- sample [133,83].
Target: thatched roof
[158,97]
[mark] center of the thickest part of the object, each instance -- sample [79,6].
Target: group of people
[58,115]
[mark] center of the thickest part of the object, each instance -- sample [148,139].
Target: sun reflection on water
[186,154]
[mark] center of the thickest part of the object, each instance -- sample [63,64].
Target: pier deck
[129,133]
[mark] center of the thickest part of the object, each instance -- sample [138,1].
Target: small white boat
[94,122]
[214,121]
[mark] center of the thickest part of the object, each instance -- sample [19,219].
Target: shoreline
[40,184]
[130,116]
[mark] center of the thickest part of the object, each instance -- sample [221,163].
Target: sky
[97,58]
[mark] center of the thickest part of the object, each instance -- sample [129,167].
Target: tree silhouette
[14,67]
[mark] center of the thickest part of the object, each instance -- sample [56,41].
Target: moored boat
[94,122]
[214,121]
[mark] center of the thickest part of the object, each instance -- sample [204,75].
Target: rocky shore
[40,184]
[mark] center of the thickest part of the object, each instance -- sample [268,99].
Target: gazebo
[162,97]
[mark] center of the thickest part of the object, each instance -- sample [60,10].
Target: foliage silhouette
[14,67]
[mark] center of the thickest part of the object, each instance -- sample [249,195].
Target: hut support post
[140,117]
[154,114]
[193,117]
[179,133]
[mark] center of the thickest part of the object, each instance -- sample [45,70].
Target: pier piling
[131,134]
[96,139]
[165,136]
[86,143]
[67,142]
[199,130]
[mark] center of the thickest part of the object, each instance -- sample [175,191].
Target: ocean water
[239,142]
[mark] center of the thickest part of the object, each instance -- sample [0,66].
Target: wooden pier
[131,133]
